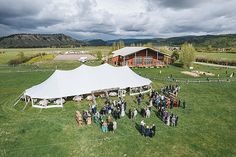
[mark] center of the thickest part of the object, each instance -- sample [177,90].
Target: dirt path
[215,65]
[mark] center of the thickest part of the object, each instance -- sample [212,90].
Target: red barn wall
[130,59]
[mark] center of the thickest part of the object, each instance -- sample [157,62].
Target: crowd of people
[168,118]
[115,109]
[171,90]
[108,125]
[108,115]
[164,99]
[147,131]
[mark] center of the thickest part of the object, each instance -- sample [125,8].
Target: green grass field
[12,53]
[222,56]
[206,127]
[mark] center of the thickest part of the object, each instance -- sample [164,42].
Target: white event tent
[84,80]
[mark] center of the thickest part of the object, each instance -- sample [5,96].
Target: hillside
[96,42]
[61,40]
[38,40]
[227,40]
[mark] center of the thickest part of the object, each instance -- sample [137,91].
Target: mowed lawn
[206,127]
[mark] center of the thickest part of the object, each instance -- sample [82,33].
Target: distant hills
[226,40]
[38,40]
[61,40]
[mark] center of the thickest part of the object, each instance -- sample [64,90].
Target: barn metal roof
[130,50]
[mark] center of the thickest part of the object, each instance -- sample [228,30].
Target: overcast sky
[112,19]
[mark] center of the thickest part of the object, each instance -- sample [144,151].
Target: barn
[139,57]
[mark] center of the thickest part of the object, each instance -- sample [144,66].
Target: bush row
[24,59]
[216,61]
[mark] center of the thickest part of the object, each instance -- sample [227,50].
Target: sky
[115,19]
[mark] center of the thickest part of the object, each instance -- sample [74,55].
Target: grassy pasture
[11,53]
[206,128]
[222,56]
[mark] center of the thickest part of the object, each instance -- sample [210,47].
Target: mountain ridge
[25,40]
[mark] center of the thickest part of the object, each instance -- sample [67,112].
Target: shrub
[21,58]
[42,57]
[175,55]
[99,55]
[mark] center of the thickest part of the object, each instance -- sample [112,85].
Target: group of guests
[160,100]
[133,114]
[117,109]
[87,117]
[147,131]
[139,98]
[171,89]
[105,121]
[145,112]
[168,118]
[108,125]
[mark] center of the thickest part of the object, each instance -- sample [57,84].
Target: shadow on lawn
[137,127]
[178,65]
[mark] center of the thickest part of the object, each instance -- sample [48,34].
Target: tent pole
[18,99]
[25,106]
[25,99]
[107,95]
[61,102]
[94,100]
[32,101]
[16,102]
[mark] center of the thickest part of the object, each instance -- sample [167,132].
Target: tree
[121,44]
[21,55]
[209,47]
[149,45]
[187,54]
[132,45]
[175,55]
[114,47]
[99,55]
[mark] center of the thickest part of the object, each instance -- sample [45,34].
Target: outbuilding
[139,57]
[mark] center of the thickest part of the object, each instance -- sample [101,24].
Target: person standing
[118,112]
[142,127]
[173,121]
[184,104]
[122,110]
[143,112]
[110,126]
[168,121]
[130,112]
[135,113]
[114,126]
[176,120]
[147,131]
[139,100]
[171,103]
[153,130]
[148,113]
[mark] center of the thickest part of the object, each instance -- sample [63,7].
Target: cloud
[87,19]
[174,4]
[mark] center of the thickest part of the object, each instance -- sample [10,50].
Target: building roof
[130,50]
[86,79]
